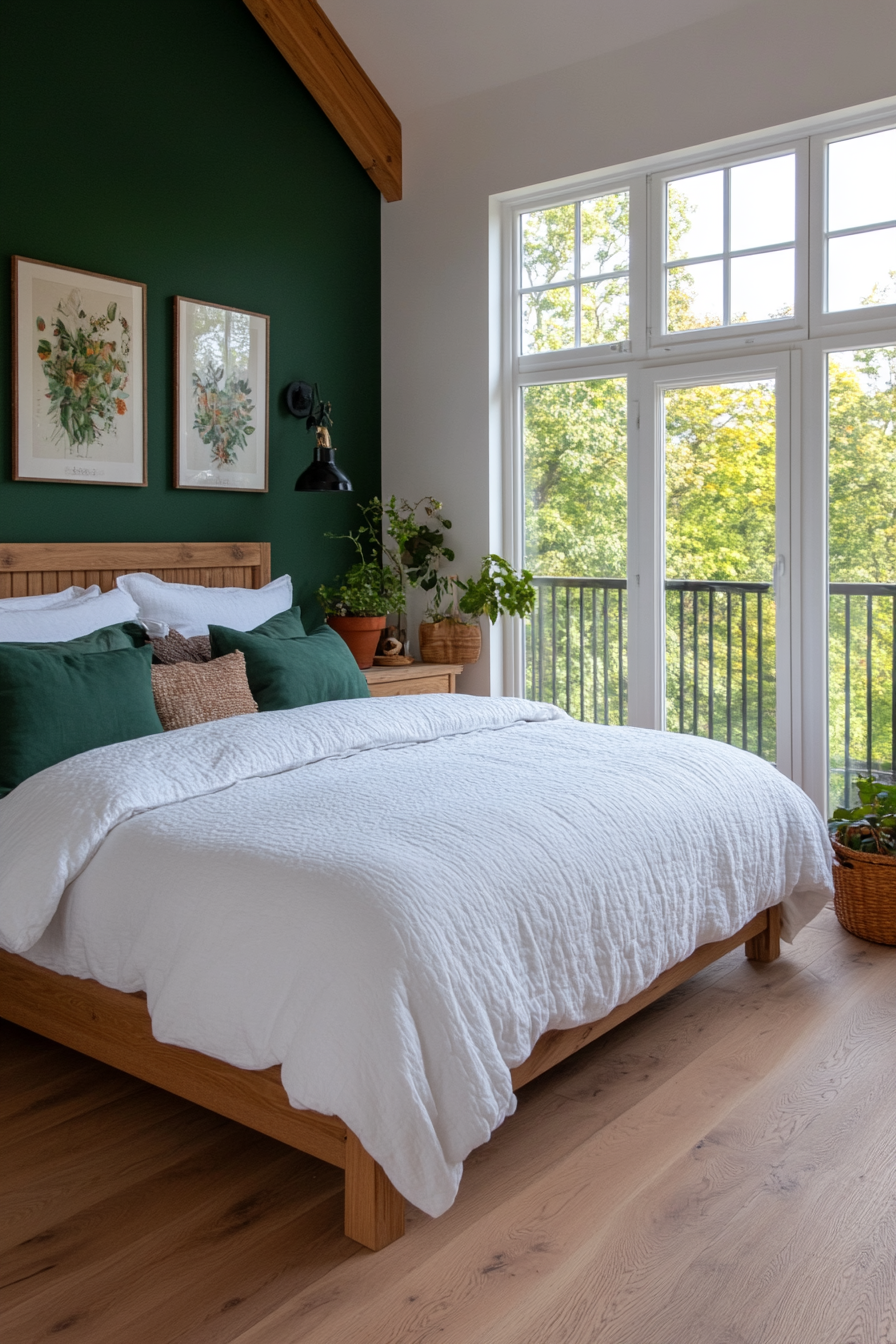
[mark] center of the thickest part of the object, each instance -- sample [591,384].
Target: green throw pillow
[285,625]
[288,671]
[58,700]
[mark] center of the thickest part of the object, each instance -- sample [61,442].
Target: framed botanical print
[221,397]
[79,375]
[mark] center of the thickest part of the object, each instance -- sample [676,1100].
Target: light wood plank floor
[719,1170]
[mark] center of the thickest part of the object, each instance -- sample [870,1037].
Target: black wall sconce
[305,404]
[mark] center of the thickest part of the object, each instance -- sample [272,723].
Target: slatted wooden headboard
[36,567]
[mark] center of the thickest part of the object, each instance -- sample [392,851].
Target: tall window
[693,349]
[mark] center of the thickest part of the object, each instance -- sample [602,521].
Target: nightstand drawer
[413,679]
[421,686]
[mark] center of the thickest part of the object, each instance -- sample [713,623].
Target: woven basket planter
[865,894]
[449,642]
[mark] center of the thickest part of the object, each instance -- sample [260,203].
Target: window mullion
[861,228]
[577,272]
[764,250]
[544,289]
[726,244]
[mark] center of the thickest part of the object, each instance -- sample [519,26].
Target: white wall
[759,66]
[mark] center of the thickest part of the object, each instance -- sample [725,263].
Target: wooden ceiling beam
[307,40]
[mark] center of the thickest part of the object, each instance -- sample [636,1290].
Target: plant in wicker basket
[864,841]
[454,635]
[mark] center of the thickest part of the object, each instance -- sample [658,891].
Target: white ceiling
[421,52]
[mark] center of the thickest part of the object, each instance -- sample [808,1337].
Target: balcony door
[710,594]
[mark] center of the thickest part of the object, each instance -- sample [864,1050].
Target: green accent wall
[170,143]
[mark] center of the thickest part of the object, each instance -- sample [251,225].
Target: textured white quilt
[394,898]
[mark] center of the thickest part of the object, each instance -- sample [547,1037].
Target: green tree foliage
[720,482]
[862,466]
[575,437]
[720,526]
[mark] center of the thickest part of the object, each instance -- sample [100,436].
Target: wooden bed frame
[115,1027]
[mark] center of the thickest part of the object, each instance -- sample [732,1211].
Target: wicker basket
[865,894]
[449,642]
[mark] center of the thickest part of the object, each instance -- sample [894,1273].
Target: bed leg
[766,946]
[374,1210]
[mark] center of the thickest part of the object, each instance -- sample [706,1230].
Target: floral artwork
[223,414]
[221,358]
[86,370]
[79,376]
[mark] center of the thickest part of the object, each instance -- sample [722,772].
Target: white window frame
[588,355]
[737,335]
[848,320]
[806,345]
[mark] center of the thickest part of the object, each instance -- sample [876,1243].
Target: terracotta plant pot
[361,634]
[450,642]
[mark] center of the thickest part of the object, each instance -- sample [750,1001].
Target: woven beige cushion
[188,693]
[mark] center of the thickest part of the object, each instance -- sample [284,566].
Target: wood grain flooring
[721,1169]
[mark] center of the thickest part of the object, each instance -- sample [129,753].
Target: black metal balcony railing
[862,673]
[720,664]
[576,647]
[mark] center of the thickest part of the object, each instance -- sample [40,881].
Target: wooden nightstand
[413,679]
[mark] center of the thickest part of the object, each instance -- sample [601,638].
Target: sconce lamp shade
[304,403]
[323,473]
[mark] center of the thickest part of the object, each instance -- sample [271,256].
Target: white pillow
[35,602]
[189,608]
[80,616]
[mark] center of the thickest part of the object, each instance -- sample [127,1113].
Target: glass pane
[861,270]
[862,551]
[694,296]
[548,320]
[862,180]
[694,216]
[548,245]
[605,312]
[763,203]
[762,286]
[575,452]
[605,234]
[720,553]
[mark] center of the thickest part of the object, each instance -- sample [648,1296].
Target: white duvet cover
[394,898]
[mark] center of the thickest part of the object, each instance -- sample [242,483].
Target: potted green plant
[864,841]
[357,607]
[414,547]
[396,551]
[454,635]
